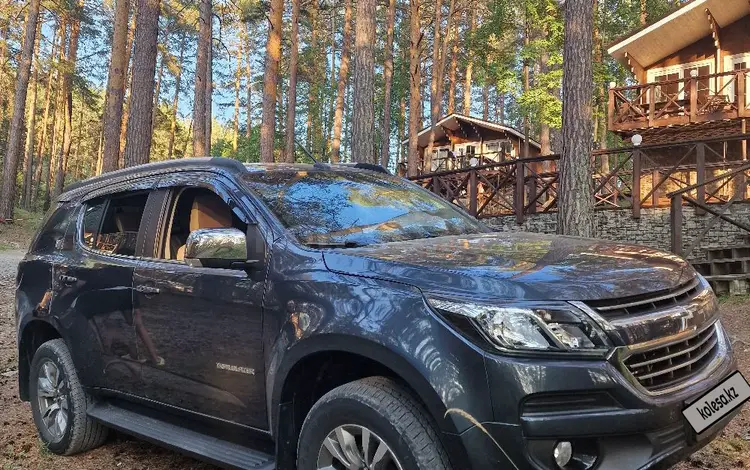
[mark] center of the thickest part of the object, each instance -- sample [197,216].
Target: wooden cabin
[691,70]
[464,141]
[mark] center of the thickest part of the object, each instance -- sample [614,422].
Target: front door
[202,350]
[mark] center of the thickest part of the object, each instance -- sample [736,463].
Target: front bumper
[593,405]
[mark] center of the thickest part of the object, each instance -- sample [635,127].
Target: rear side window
[54,231]
[111,224]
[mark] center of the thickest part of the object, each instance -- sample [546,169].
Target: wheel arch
[320,363]
[31,337]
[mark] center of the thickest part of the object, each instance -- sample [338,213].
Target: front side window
[111,224]
[336,208]
[196,208]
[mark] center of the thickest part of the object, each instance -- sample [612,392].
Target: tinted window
[356,208]
[111,224]
[54,230]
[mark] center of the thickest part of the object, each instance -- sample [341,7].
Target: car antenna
[307,152]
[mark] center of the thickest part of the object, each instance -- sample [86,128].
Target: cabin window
[673,83]
[668,90]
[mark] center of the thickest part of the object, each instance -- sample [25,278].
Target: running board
[186,441]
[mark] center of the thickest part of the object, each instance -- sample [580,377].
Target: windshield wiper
[334,244]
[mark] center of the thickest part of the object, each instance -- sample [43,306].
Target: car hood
[517,266]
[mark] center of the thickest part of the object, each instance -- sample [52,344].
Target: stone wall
[652,229]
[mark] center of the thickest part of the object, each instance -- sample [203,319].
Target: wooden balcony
[716,97]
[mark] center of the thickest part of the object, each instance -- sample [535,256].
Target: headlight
[549,327]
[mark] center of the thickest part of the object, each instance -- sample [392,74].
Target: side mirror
[216,248]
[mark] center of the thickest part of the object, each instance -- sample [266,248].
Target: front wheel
[59,402]
[369,424]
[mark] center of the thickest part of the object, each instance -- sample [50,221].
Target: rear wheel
[59,403]
[369,424]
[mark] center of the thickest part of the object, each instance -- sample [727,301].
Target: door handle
[147,290]
[68,280]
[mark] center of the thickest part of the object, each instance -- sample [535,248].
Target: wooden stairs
[727,269]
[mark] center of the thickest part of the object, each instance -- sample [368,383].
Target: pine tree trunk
[415,83]
[435,77]
[644,13]
[10,163]
[314,108]
[452,73]
[157,89]
[127,91]
[113,101]
[385,146]
[201,70]
[270,79]
[526,87]
[249,73]
[30,136]
[341,89]
[176,99]
[332,80]
[56,108]
[469,66]
[45,118]
[209,96]
[291,111]
[575,204]
[70,65]
[138,146]
[401,130]
[363,121]
[56,126]
[4,31]
[237,86]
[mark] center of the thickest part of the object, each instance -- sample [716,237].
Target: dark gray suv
[337,317]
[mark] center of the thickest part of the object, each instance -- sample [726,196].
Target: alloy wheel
[52,398]
[354,447]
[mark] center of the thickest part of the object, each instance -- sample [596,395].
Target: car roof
[215,164]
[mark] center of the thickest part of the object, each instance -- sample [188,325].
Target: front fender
[388,323]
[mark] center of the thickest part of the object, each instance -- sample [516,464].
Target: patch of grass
[18,234]
[44,450]
[729,446]
[727,299]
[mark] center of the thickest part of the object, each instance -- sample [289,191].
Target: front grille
[645,304]
[666,366]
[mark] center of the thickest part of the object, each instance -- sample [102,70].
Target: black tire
[385,408]
[80,433]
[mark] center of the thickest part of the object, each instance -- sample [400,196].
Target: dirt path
[20,447]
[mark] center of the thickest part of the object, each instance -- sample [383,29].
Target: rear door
[94,298]
[204,350]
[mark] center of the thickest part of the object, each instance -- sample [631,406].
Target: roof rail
[221,162]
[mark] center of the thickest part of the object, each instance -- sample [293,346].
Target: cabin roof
[454,121]
[677,30]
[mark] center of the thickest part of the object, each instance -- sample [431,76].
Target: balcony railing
[677,102]
[628,178]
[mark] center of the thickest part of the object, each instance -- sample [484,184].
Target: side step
[186,441]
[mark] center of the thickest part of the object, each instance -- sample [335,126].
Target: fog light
[563,453]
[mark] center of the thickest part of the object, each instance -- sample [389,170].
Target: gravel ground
[20,447]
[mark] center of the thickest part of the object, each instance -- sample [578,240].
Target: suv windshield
[337,208]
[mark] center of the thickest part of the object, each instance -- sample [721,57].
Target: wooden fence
[626,178]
